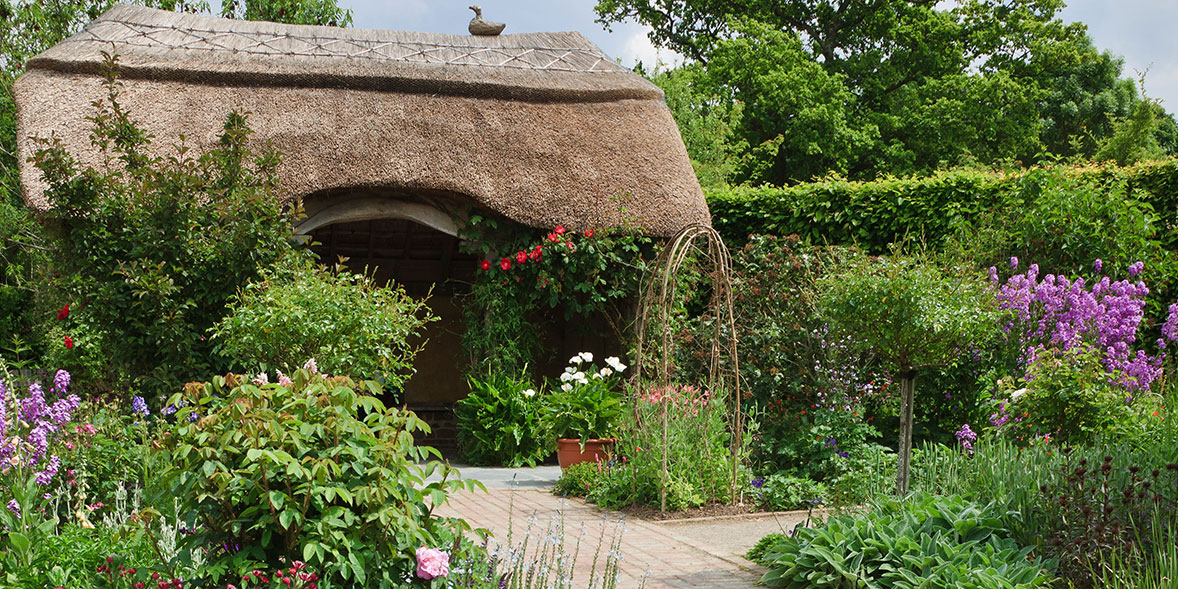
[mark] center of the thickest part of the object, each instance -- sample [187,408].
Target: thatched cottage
[387,136]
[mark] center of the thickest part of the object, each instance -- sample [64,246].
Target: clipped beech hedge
[874,214]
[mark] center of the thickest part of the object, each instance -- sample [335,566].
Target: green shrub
[781,492]
[698,447]
[346,321]
[1070,397]
[577,480]
[923,541]
[319,471]
[875,214]
[499,423]
[148,250]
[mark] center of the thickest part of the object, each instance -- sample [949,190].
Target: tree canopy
[869,88]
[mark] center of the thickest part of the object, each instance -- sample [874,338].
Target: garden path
[669,555]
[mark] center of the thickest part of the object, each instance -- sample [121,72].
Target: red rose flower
[535,255]
[63,313]
[588,233]
[553,237]
[559,230]
[485,264]
[521,257]
[505,263]
[570,245]
[69,343]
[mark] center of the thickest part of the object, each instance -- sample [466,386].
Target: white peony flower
[587,356]
[566,387]
[530,393]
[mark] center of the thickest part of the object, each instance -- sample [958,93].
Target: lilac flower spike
[1135,268]
[1013,263]
[1098,266]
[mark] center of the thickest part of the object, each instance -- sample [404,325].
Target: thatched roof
[542,127]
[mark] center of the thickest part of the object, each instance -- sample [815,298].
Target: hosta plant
[923,541]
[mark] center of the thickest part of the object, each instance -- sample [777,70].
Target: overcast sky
[1141,31]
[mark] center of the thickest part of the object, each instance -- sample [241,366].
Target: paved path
[653,553]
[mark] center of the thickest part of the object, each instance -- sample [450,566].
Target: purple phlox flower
[1135,268]
[1097,265]
[1013,263]
[139,406]
[966,437]
[33,406]
[45,477]
[61,382]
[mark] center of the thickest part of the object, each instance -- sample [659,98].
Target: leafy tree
[911,313]
[864,88]
[28,27]
[149,249]
[706,121]
[295,12]
[1083,100]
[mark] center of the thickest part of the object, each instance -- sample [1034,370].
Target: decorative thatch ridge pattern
[541,127]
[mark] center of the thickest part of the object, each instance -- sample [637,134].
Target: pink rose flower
[432,562]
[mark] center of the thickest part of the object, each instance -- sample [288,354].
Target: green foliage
[1063,221]
[864,90]
[584,274]
[910,312]
[319,471]
[781,492]
[150,249]
[698,446]
[347,322]
[499,423]
[706,122]
[757,552]
[577,480]
[586,408]
[1084,99]
[921,541]
[295,12]
[1134,137]
[796,114]
[1071,398]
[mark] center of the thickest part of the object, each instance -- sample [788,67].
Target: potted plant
[583,414]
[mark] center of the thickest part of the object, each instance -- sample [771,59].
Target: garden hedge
[874,214]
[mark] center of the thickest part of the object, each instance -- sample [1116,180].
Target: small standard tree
[911,313]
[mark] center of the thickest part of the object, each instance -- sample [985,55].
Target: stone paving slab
[653,555]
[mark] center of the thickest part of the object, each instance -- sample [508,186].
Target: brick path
[664,558]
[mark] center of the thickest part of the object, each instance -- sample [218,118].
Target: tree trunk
[907,386]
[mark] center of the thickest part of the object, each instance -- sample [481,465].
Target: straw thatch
[543,128]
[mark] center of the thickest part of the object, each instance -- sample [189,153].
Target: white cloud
[637,47]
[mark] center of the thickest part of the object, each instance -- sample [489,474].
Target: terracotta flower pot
[568,451]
